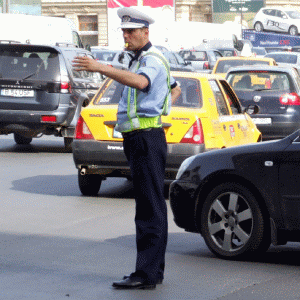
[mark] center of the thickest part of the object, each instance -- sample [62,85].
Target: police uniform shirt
[150,100]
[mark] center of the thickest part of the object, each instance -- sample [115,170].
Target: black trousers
[146,152]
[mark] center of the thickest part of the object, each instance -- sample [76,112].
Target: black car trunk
[267,100]
[29,78]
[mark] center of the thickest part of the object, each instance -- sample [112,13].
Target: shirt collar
[139,52]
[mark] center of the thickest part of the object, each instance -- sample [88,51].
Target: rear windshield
[224,65]
[191,95]
[104,55]
[227,52]
[32,64]
[258,80]
[287,59]
[194,55]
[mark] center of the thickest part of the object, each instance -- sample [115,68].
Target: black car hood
[222,159]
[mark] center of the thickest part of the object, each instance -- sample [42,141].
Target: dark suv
[40,93]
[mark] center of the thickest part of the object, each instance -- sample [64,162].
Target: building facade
[90,16]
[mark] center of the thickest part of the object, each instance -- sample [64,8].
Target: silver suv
[281,19]
[40,93]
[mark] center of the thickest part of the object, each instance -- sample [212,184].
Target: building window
[88,23]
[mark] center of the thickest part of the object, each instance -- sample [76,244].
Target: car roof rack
[66,45]
[9,42]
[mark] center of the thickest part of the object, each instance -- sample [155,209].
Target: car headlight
[184,166]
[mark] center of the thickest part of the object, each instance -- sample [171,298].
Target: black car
[40,93]
[276,91]
[241,199]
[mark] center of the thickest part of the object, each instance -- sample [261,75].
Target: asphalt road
[58,244]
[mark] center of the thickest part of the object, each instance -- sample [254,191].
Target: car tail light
[195,134]
[82,131]
[65,87]
[51,119]
[206,65]
[290,99]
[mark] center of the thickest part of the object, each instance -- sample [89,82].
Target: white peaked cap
[133,18]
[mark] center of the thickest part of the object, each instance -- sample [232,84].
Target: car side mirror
[121,58]
[252,109]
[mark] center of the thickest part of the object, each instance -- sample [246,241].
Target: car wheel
[232,223]
[258,26]
[89,184]
[22,140]
[293,30]
[68,144]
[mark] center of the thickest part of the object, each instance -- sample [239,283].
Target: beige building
[90,16]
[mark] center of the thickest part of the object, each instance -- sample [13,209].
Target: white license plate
[17,93]
[117,134]
[262,121]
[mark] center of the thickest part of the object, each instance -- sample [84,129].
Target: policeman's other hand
[84,63]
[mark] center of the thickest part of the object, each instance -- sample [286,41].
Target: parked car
[276,91]
[206,116]
[245,200]
[201,60]
[223,64]
[277,19]
[115,58]
[40,91]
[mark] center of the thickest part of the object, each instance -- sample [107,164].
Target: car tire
[293,30]
[68,144]
[232,223]
[89,184]
[22,140]
[258,26]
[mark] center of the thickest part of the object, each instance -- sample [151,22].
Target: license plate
[262,121]
[117,134]
[17,93]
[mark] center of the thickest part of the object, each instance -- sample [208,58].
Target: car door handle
[224,127]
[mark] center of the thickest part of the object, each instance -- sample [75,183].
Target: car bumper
[12,120]
[281,126]
[183,202]
[107,158]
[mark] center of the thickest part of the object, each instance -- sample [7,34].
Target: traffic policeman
[148,93]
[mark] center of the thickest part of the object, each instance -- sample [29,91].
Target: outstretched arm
[83,63]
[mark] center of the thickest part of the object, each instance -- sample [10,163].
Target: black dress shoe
[133,283]
[159,281]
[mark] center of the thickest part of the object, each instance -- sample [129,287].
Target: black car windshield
[259,80]
[293,14]
[20,64]
[191,95]
[224,65]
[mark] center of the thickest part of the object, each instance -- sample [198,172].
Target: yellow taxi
[206,116]
[223,64]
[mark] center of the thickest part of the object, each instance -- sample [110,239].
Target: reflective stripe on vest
[135,122]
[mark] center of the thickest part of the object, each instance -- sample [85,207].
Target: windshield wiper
[34,73]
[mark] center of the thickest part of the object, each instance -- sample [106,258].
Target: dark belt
[133,132]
